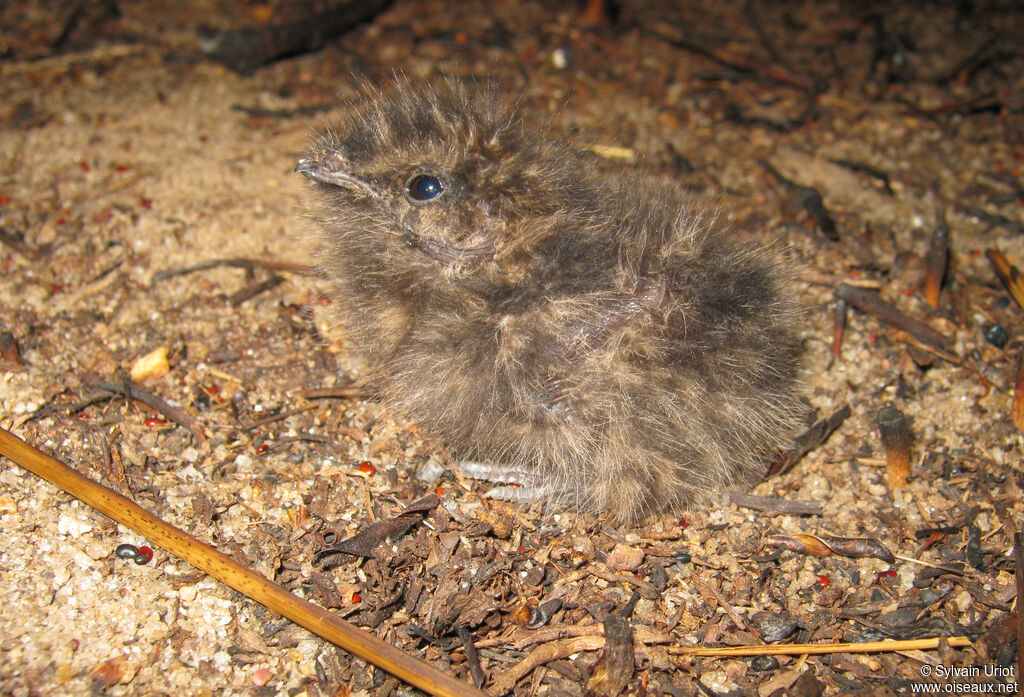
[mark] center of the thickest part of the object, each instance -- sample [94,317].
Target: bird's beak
[323,172]
[314,169]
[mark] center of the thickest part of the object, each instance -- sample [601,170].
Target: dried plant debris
[826,545]
[363,543]
[141,215]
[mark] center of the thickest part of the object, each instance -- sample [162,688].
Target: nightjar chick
[595,337]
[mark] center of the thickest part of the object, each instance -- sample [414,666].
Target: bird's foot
[518,484]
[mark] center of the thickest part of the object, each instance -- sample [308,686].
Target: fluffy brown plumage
[595,337]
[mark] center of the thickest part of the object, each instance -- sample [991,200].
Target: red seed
[367,468]
[5,201]
[85,166]
[146,202]
[356,598]
[144,556]
[121,168]
[262,449]
[888,573]
[155,421]
[824,581]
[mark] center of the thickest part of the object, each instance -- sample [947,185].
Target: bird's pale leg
[520,485]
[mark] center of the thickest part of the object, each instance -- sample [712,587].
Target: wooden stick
[799,649]
[231,573]
[1018,555]
[872,303]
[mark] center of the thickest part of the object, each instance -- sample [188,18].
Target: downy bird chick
[596,338]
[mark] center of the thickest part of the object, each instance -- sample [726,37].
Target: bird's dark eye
[424,187]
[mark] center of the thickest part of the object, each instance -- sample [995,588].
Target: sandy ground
[125,153]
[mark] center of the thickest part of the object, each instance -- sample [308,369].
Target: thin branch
[888,645]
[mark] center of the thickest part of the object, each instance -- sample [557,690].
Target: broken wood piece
[472,658]
[351,391]
[775,504]
[838,329]
[254,289]
[815,435]
[936,261]
[615,665]
[131,390]
[872,304]
[896,439]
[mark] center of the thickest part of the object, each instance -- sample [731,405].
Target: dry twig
[887,645]
[177,415]
[872,303]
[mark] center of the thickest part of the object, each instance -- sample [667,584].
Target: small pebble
[559,59]
[69,524]
[152,365]
[997,335]
[772,626]
[764,663]
[430,471]
[624,558]
[261,676]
